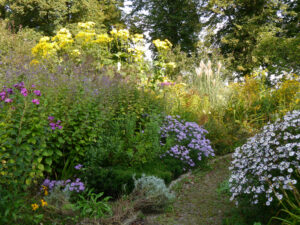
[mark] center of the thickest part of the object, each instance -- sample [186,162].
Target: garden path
[199,201]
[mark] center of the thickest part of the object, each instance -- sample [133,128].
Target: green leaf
[41,167]
[61,140]
[48,161]
[59,153]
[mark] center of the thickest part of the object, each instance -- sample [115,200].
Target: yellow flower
[44,203]
[162,45]
[75,53]
[87,25]
[137,38]
[85,36]
[103,39]
[34,62]
[45,39]
[114,32]
[122,34]
[45,190]
[171,65]
[34,206]
[44,49]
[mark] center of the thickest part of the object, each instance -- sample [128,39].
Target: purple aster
[78,167]
[8,100]
[52,125]
[36,101]
[24,92]
[51,118]
[10,91]
[37,92]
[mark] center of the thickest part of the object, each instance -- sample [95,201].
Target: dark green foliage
[177,21]
[117,180]
[48,15]
[255,33]
[247,214]
[15,207]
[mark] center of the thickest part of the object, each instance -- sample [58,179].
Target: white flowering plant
[268,162]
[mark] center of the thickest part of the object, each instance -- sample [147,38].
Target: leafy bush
[267,161]
[23,134]
[18,42]
[90,205]
[117,180]
[251,104]
[151,193]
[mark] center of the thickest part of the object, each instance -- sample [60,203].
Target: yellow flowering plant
[116,46]
[163,68]
[34,206]
[43,203]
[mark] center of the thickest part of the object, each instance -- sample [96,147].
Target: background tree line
[248,33]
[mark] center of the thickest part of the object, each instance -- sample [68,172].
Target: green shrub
[90,205]
[117,180]
[24,130]
[15,207]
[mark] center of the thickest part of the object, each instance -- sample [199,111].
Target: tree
[175,20]
[255,33]
[47,15]
[113,14]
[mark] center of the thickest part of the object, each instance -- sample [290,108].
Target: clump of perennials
[186,140]
[8,95]
[268,162]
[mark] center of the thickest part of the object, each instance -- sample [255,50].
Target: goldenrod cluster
[45,48]
[63,38]
[136,38]
[122,34]
[103,39]
[87,39]
[162,45]
[87,26]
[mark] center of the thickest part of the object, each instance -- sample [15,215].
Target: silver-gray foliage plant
[267,162]
[152,192]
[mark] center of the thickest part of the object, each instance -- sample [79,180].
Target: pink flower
[2,95]
[37,92]
[52,125]
[24,92]
[8,100]
[19,85]
[51,118]
[36,101]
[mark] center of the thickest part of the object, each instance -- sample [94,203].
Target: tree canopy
[175,20]
[256,33]
[46,15]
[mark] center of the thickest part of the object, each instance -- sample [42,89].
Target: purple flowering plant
[78,167]
[185,141]
[25,139]
[73,186]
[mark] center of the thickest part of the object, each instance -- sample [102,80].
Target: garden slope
[198,201]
